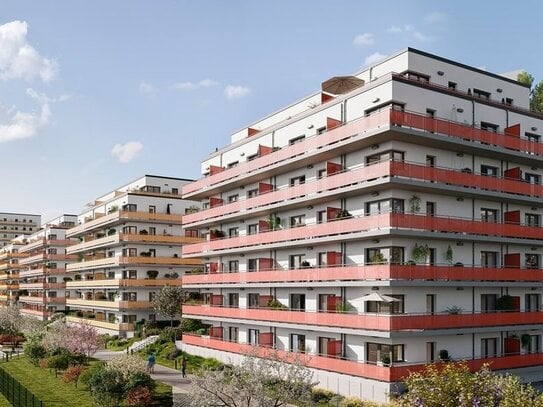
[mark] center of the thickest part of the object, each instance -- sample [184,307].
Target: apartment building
[128,247]
[389,220]
[15,224]
[42,285]
[10,256]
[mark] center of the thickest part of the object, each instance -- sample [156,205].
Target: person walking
[184,367]
[151,360]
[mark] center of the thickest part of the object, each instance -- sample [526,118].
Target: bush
[59,362]
[85,376]
[34,351]
[138,380]
[138,397]
[319,395]
[72,374]
[191,325]
[173,354]
[43,363]
[169,334]
[152,331]
[107,387]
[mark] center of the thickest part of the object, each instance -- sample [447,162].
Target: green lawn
[4,402]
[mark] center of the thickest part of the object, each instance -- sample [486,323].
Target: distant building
[15,224]
[385,222]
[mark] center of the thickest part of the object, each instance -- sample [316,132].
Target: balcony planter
[525,340]
[444,355]
[449,255]
[420,252]
[414,202]
[343,214]
[385,360]
[152,274]
[305,264]
[111,232]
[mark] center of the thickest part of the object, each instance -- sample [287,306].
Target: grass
[48,388]
[4,402]
[121,344]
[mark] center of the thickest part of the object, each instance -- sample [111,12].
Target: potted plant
[378,258]
[144,232]
[385,359]
[276,304]
[420,252]
[305,264]
[343,307]
[274,222]
[525,340]
[111,232]
[444,355]
[113,208]
[414,202]
[505,303]
[343,214]
[449,255]
[152,274]
[455,309]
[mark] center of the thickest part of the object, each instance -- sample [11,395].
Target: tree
[83,339]
[266,381]
[452,384]
[168,302]
[536,93]
[11,322]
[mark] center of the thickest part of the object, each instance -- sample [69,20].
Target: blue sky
[94,94]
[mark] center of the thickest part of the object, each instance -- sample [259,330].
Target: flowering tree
[83,339]
[127,365]
[269,381]
[11,322]
[168,302]
[55,336]
[453,384]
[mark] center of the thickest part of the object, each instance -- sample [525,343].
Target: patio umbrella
[378,297]
[338,85]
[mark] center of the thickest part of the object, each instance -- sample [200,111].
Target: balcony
[46,257]
[118,283]
[105,304]
[367,272]
[121,216]
[11,255]
[339,230]
[40,243]
[41,286]
[368,321]
[358,368]
[41,271]
[120,327]
[41,299]
[117,261]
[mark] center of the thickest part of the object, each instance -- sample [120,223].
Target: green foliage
[107,387]
[168,302]
[525,78]
[321,396]
[414,202]
[85,376]
[34,351]
[504,303]
[138,397]
[452,384]
[190,325]
[276,304]
[449,255]
[170,334]
[152,274]
[420,252]
[139,379]
[59,362]
[536,93]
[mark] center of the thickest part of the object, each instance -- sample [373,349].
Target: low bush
[85,376]
[34,351]
[71,375]
[138,397]
[138,380]
[322,396]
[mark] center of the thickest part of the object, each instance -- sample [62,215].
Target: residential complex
[15,224]
[42,285]
[128,247]
[9,270]
[389,220]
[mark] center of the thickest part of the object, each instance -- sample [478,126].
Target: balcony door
[297,302]
[297,343]
[489,347]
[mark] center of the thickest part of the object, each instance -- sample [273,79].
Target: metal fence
[16,393]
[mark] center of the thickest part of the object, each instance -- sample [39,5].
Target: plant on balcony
[385,359]
[66,279]
[343,307]
[420,252]
[145,254]
[449,255]
[77,277]
[113,208]
[305,264]
[378,258]
[343,214]
[216,234]
[144,232]
[414,203]
[80,257]
[444,355]
[111,232]
[455,309]
[274,222]
[525,340]
[191,209]
[152,274]
[276,304]
[174,275]
[505,303]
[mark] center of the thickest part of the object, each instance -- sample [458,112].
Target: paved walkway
[171,377]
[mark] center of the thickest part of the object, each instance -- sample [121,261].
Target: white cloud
[363,39]
[204,83]
[127,152]
[435,17]
[147,89]
[20,60]
[20,125]
[236,91]
[409,30]
[373,58]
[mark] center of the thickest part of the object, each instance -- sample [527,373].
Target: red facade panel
[333,168]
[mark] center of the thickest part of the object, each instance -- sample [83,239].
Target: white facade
[423,185]
[15,224]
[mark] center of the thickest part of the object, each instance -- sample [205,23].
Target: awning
[338,85]
[380,298]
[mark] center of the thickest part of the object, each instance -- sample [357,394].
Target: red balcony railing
[358,368]
[342,228]
[369,272]
[374,322]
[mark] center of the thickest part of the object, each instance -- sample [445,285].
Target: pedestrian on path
[151,360]
[184,367]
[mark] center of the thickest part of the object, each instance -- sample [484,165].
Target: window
[489,259]
[130,230]
[323,345]
[297,302]
[489,347]
[489,215]
[233,334]
[52,237]
[152,209]
[252,193]
[322,259]
[489,127]
[232,164]
[233,232]
[297,343]
[296,140]
[321,216]
[152,296]
[52,251]
[130,296]
[252,264]
[175,191]
[374,256]
[252,229]
[321,173]
[253,337]
[430,161]
[387,106]
[481,94]
[233,300]
[533,302]
[130,252]
[152,230]
[298,220]
[129,319]
[385,156]
[384,206]
[489,170]
[395,307]
[375,351]
[321,130]
[532,261]
[452,85]
[396,255]
[295,261]
[130,208]
[534,179]
[488,302]
[233,198]
[533,137]
[252,157]
[508,101]
[297,180]
[233,266]
[130,274]
[254,300]
[532,219]
[534,344]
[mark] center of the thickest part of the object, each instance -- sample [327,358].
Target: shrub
[319,395]
[72,374]
[85,376]
[191,325]
[107,387]
[138,397]
[169,334]
[126,365]
[138,380]
[173,354]
[152,331]
[43,363]
[352,402]
[59,362]
[34,351]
